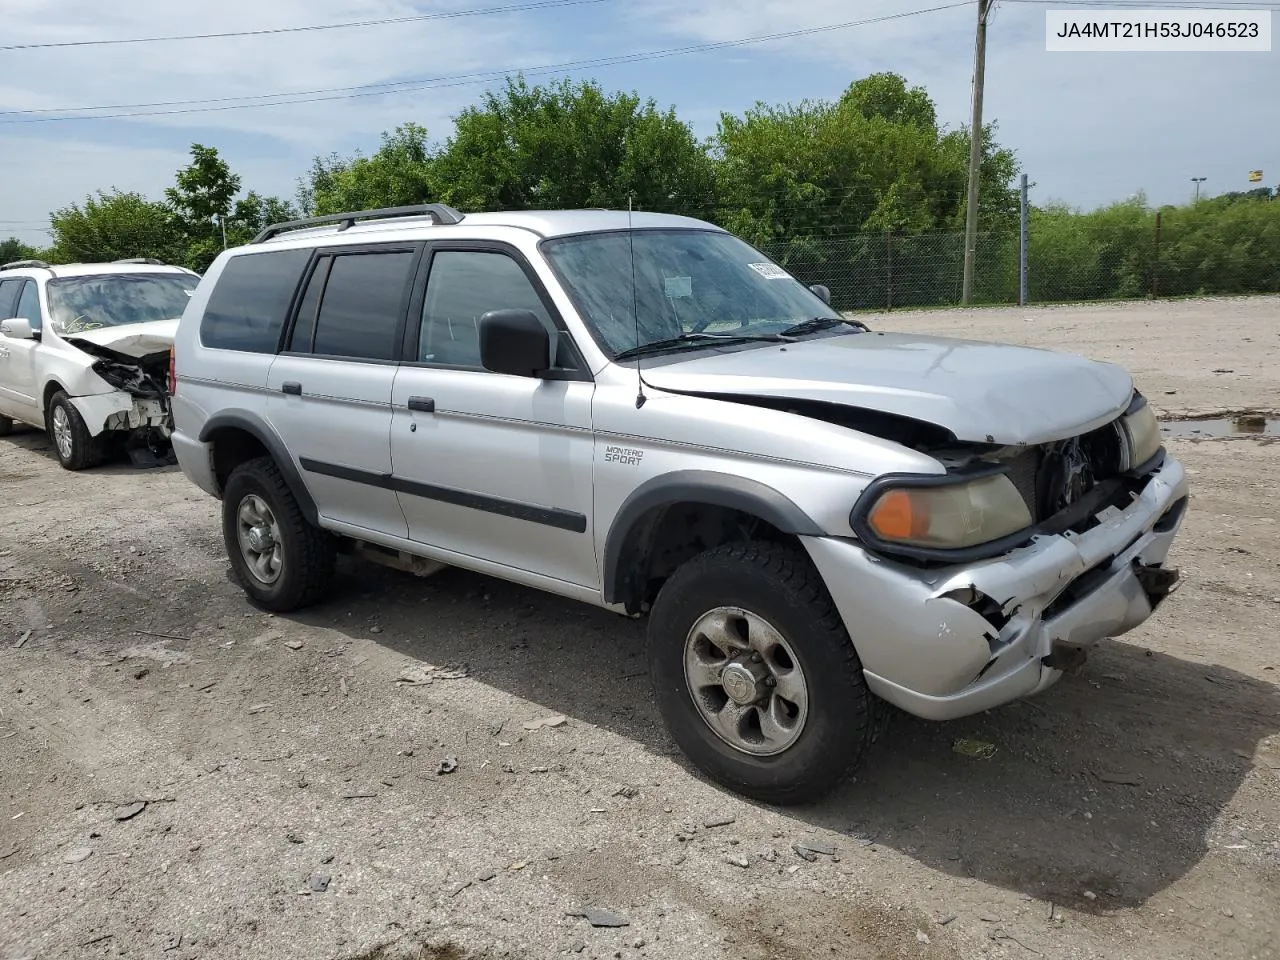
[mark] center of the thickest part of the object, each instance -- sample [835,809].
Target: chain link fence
[1067,261]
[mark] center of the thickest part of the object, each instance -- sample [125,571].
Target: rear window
[250,300]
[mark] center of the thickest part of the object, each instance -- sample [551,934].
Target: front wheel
[282,561]
[74,446]
[755,674]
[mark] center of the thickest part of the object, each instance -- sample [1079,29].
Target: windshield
[78,304]
[686,281]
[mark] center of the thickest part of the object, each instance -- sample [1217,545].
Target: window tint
[248,305]
[304,327]
[362,306]
[9,290]
[29,305]
[463,286]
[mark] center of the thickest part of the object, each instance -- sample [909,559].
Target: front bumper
[120,412]
[925,648]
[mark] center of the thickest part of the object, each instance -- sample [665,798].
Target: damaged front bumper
[949,642]
[105,412]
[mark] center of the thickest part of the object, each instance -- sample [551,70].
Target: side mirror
[823,292]
[514,342]
[18,329]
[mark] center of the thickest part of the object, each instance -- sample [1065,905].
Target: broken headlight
[941,513]
[1142,431]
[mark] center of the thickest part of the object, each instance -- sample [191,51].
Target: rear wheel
[282,561]
[755,675]
[74,446]
[6,426]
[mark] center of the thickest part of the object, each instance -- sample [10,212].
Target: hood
[980,392]
[132,339]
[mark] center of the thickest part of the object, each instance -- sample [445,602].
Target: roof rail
[153,260]
[19,264]
[441,213]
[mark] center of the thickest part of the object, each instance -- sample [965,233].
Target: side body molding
[696,486]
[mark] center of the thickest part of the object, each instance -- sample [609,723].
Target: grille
[1024,471]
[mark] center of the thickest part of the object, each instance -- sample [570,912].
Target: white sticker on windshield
[770,271]
[678,286]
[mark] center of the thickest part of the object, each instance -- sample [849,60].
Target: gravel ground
[297,802]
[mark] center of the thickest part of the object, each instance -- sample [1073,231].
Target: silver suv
[644,413]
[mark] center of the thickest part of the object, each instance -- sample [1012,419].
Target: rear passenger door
[329,390]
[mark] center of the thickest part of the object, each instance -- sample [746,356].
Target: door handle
[422,404]
[292,386]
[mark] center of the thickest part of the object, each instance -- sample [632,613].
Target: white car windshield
[78,304]
[687,282]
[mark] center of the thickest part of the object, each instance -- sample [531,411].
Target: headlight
[945,516]
[1143,433]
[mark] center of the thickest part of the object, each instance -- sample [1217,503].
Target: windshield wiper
[689,339]
[821,323]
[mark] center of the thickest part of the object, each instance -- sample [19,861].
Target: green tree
[253,212]
[398,174]
[113,226]
[201,199]
[571,146]
[830,185]
[14,249]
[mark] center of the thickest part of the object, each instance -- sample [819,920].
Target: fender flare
[264,434]
[698,486]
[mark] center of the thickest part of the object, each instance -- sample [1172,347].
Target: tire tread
[314,550]
[790,569]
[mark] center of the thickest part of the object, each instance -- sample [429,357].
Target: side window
[304,327]
[248,304]
[463,286]
[363,305]
[9,290]
[29,305]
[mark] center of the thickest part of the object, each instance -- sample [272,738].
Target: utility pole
[975,150]
[1197,181]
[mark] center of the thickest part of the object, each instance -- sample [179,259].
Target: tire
[6,426]
[778,587]
[300,558]
[73,445]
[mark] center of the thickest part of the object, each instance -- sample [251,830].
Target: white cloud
[44,165]
[1089,128]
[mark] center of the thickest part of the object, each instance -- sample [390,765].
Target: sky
[1088,128]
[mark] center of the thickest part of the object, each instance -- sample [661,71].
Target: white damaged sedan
[84,355]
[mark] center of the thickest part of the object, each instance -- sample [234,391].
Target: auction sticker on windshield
[770,271]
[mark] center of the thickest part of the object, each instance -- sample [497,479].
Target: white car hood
[134,339]
[981,392]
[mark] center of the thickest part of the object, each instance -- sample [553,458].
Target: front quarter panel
[808,472]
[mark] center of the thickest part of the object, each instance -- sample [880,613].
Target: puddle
[1244,425]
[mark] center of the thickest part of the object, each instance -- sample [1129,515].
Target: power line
[310,28]
[447,80]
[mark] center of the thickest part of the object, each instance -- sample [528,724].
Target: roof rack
[441,213]
[19,264]
[152,260]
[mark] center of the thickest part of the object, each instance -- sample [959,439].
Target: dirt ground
[1133,811]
